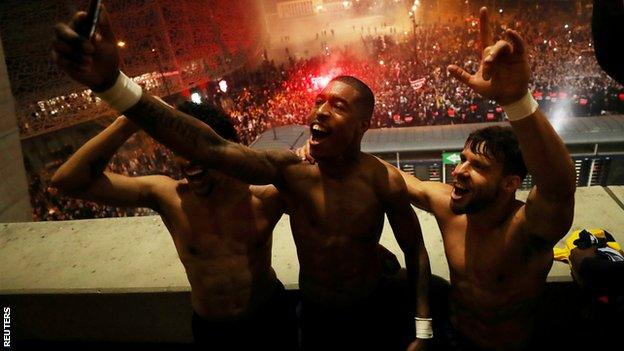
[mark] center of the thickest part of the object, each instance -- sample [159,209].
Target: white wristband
[424,330]
[522,108]
[124,94]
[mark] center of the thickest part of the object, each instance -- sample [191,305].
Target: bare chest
[212,230]
[494,260]
[340,208]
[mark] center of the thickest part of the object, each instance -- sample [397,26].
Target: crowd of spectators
[411,85]
[407,72]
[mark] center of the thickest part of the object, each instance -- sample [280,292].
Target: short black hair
[366,99]
[213,116]
[501,144]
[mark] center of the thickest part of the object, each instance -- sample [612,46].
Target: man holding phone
[87,28]
[337,207]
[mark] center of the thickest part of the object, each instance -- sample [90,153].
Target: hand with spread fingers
[503,74]
[92,62]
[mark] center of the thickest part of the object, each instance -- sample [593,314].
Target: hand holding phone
[87,28]
[94,63]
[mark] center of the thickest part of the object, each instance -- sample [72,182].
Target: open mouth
[319,132]
[459,191]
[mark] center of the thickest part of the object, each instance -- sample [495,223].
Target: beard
[474,205]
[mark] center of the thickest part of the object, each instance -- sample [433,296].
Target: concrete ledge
[120,279]
[618,191]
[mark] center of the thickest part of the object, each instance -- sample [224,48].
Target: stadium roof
[286,137]
[574,131]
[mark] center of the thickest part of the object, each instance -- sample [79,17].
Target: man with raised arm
[499,249]
[337,206]
[222,229]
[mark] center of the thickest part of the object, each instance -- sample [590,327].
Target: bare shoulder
[291,167]
[282,158]
[385,178]
[166,188]
[439,194]
[377,165]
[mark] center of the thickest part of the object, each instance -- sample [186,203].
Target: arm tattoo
[194,140]
[174,128]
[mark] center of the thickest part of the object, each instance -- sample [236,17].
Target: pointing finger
[485,32]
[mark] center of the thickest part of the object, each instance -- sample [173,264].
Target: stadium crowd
[407,74]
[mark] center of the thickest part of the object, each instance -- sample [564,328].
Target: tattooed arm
[195,140]
[95,63]
[83,175]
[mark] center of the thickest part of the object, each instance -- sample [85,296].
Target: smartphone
[87,29]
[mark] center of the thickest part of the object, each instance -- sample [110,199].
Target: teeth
[317,127]
[194,172]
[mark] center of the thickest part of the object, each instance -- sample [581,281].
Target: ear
[365,124]
[511,183]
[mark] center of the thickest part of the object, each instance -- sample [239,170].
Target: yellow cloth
[562,254]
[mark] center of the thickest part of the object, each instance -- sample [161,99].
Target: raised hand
[95,62]
[503,74]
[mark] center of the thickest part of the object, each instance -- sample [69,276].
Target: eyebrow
[479,159]
[339,99]
[333,98]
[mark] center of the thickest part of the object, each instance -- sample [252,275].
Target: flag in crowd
[418,83]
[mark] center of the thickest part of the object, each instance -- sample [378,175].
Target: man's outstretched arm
[95,64]
[422,193]
[195,140]
[83,175]
[503,76]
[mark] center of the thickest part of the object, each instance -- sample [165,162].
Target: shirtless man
[499,249]
[337,206]
[221,228]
